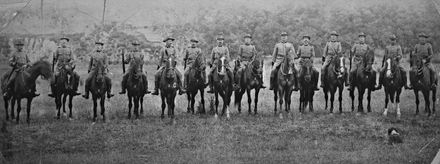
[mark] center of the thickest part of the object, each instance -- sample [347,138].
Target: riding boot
[322,76]
[75,84]
[433,79]
[316,76]
[381,77]
[145,81]
[87,88]
[179,83]
[296,84]
[109,88]
[373,83]
[52,87]
[33,91]
[350,81]
[124,84]
[261,81]
[156,87]
[237,79]
[272,80]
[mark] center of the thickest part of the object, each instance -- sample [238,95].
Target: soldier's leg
[211,81]
[108,82]
[179,82]
[87,86]
[204,77]
[124,83]
[185,80]
[145,82]
[75,83]
[323,72]
[315,78]
[53,82]
[156,81]
[433,76]
[273,72]
[404,78]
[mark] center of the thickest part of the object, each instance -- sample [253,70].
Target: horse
[421,81]
[249,80]
[335,77]
[195,84]
[99,88]
[168,88]
[363,80]
[64,88]
[393,84]
[22,87]
[308,82]
[135,91]
[284,87]
[222,87]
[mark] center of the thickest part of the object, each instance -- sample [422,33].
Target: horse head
[256,67]
[222,67]
[308,71]
[170,74]
[339,64]
[42,68]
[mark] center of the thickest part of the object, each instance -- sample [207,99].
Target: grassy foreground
[311,138]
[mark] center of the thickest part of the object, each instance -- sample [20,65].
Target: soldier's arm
[324,54]
[292,53]
[339,50]
[106,62]
[399,53]
[274,54]
[228,57]
[72,57]
[202,59]
[385,56]
[254,53]
[240,53]
[313,52]
[162,54]
[430,52]
[371,55]
[212,56]
[90,63]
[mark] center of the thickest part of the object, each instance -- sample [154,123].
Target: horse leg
[326,100]
[95,106]
[332,99]
[6,101]
[416,94]
[352,99]
[70,106]
[360,98]
[193,101]
[136,107]
[288,100]
[130,105]
[340,90]
[248,93]
[202,101]
[58,104]
[162,116]
[275,98]
[385,112]
[399,91]
[369,100]
[28,110]
[64,104]
[216,104]
[13,101]
[102,103]
[281,92]
[434,92]
[188,97]
[257,91]
[427,102]
[141,104]
[18,110]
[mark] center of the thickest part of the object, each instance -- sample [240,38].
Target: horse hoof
[358,114]
[281,116]
[93,123]
[385,114]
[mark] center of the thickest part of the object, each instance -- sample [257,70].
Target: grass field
[311,138]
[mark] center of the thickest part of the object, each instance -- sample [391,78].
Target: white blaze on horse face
[171,62]
[341,64]
[222,59]
[388,73]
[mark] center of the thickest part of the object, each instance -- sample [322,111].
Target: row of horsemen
[64,59]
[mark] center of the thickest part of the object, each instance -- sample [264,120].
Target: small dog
[394,136]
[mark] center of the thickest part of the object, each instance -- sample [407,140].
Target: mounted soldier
[306,53]
[423,51]
[332,50]
[64,59]
[165,53]
[282,51]
[361,60]
[18,61]
[136,60]
[393,52]
[218,52]
[193,54]
[246,55]
[98,57]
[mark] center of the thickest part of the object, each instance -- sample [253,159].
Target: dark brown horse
[308,80]
[99,88]
[135,91]
[393,84]
[64,87]
[249,80]
[334,80]
[222,87]
[22,87]
[421,81]
[284,86]
[195,85]
[168,88]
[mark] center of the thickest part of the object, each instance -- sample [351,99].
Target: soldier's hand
[323,59]
[157,67]
[272,63]
[88,71]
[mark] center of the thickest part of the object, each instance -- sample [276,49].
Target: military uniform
[216,54]
[306,53]
[332,50]
[246,54]
[165,53]
[393,52]
[282,51]
[98,58]
[361,59]
[136,60]
[192,54]
[18,61]
[423,51]
[64,58]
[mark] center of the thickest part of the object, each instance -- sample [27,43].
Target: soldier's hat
[168,38]
[306,36]
[65,38]
[248,36]
[99,42]
[19,42]
[334,33]
[135,43]
[220,37]
[423,35]
[362,34]
[194,40]
[284,33]
[393,37]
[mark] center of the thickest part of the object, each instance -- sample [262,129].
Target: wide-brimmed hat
[19,42]
[65,38]
[422,34]
[362,34]
[334,33]
[284,33]
[248,36]
[194,40]
[168,38]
